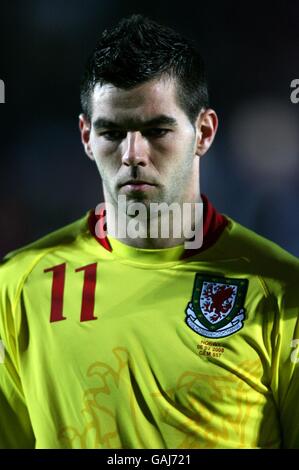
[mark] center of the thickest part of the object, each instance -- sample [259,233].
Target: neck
[157,226]
[212,227]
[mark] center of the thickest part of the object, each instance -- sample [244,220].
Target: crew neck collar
[213,225]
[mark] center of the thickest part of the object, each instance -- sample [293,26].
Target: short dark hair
[139,49]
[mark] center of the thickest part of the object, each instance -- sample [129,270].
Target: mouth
[137,185]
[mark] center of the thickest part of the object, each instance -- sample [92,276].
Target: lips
[136,183]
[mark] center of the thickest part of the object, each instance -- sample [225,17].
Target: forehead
[152,98]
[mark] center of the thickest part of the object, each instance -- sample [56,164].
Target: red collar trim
[213,226]
[96,224]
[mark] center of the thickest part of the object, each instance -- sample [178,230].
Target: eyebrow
[162,119]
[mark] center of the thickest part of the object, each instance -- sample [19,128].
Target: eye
[156,132]
[113,135]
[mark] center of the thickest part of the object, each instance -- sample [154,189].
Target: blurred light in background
[264,149]
[264,137]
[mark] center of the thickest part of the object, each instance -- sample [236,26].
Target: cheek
[107,165]
[167,152]
[105,153]
[180,151]
[99,146]
[183,141]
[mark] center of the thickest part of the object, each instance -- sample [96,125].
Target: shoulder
[263,258]
[17,265]
[256,248]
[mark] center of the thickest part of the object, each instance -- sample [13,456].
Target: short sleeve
[288,368]
[15,427]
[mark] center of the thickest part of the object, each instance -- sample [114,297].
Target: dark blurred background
[251,51]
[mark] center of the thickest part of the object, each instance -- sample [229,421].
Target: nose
[135,150]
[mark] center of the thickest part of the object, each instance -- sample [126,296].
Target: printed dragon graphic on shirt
[179,409]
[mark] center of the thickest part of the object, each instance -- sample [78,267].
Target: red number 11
[88,294]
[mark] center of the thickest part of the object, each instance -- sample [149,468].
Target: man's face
[142,142]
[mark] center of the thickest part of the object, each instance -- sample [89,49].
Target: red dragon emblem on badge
[217,300]
[216,309]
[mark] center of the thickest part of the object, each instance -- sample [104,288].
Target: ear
[206,128]
[85,128]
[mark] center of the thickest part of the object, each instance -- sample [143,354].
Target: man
[113,340]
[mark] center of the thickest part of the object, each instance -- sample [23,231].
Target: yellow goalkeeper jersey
[104,345]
